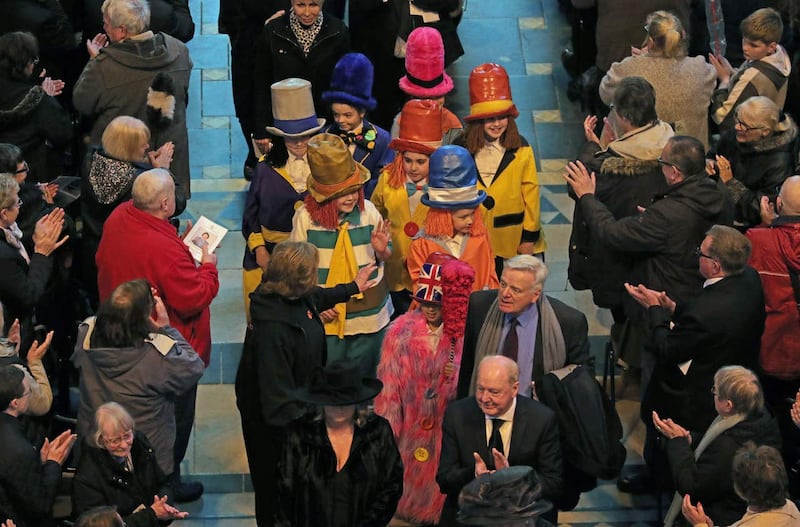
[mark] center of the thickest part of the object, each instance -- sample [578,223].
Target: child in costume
[279,185]
[419,368]
[350,96]
[425,77]
[400,187]
[350,234]
[506,166]
[454,224]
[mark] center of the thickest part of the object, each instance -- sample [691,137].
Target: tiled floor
[526,37]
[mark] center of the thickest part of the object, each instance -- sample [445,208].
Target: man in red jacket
[139,242]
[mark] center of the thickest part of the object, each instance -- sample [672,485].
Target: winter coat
[145,379]
[166,16]
[628,176]
[775,254]
[284,345]
[27,486]
[662,239]
[37,124]
[683,87]
[768,77]
[138,245]
[411,366]
[308,465]
[22,286]
[759,169]
[709,479]
[101,480]
[786,516]
[279,56]
[118,80]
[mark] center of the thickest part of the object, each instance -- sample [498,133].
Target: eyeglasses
[25,394]
[14,205]
[699,253]
[744,125]
[24,170]
[666,163]
[126,437]
[35,61]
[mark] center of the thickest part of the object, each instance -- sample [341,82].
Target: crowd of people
[401,365]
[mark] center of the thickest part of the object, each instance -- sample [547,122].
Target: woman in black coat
[118,467]
[29,117]
[283,344]
[701,463]
[339,467]
[756,157]
[303,43]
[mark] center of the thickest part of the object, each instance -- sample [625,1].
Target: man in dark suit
[691,340]
[547,334]
[494,430]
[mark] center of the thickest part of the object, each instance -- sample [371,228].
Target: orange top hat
[489,93]
[420,127]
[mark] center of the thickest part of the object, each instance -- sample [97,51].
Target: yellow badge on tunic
[421,454]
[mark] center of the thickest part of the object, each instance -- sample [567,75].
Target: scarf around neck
[305,35]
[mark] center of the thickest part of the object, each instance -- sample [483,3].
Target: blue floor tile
[490,40]
[504,8]
[533,92]
[210,51]
[539,45]
[558,140]
[195,109]
[217,98]
[210,146]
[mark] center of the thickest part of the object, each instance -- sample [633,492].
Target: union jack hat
[429,283]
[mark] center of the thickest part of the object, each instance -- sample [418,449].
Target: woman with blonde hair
[107,177]
[284,343]
[683,85]
[756,156]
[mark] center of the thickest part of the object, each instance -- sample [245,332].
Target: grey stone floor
[526,37]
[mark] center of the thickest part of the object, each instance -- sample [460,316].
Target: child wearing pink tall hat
[425,77]
[506,166]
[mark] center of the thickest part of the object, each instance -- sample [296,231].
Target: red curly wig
[439,222]
[326,213]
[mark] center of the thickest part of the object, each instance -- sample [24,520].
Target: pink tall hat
[425,77]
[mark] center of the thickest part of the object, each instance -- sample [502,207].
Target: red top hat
[489,93]
[425,65]
[420,127]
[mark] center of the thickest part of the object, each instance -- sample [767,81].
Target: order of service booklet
[204,233]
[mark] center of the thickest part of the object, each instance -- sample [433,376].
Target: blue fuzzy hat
[351,82]
[452,180]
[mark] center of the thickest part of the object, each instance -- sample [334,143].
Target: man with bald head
[139,242]
[495,429]
[776,257]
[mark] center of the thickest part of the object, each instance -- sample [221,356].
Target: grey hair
[531,264]
[763,112]
[113,414]
[8,187]
[134,15]
[150,187]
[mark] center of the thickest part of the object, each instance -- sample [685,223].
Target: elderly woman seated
[118,467]
[759,478]
[701,463]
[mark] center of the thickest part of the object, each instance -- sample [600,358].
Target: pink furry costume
[419,380]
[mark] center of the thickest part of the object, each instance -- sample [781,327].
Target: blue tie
[412,188]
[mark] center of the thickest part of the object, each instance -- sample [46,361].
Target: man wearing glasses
[30,477]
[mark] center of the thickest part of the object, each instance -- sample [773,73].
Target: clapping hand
[58,449]
[94,46]
[579,179]
[795,410]
[47,231]
[723,67]
[165,511]
[669,429]
[14,336]
[52,87]
[695,515]
[162,157]
[37,351]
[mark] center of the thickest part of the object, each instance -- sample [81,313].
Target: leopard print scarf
[305,35]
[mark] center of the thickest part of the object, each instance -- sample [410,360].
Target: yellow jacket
[515,216]
[392,203]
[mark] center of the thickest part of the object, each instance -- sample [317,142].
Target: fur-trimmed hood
[646,142]
[18,100]
[625,166]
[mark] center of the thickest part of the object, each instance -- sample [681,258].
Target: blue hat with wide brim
[452,180]
[351,82]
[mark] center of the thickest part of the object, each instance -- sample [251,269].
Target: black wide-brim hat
[339,384]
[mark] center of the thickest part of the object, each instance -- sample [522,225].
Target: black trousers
[184,420]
